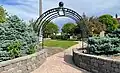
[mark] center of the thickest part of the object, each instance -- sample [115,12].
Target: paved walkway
[60,63]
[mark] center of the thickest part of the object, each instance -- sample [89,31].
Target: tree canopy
[50,29]
[92,24]
[110,22]
[69,28]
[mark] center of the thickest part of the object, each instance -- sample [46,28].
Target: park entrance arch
[60,11]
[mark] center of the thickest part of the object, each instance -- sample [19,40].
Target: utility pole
[41,31]
[40,7]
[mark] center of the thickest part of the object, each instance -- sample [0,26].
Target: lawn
[59,43]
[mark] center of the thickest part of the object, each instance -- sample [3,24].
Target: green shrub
[115,33]
[53,36]
[32,49]
[4,55]
[65,37]
[10,32]
[60,37]
[103,45]
[14,49]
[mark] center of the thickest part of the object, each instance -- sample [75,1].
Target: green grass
[59,43]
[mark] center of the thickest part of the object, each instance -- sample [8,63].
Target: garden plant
[108,45]
[16,39]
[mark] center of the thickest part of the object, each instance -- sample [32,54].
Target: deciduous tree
[110,22]
[50,29]
[68,28]
[91,25]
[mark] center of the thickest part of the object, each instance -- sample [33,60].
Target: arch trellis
[51,14]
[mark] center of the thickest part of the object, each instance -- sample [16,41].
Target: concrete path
[60,63]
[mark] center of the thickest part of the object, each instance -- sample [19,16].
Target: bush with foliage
[90,25]
[115,33]
[56,37]
[60,37]
[16,30]
[32,49]
[110,22]
[2,15]
[103,45]
[14,49]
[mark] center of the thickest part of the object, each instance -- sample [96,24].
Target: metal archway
[60,11]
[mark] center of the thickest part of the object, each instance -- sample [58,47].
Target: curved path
[60,63]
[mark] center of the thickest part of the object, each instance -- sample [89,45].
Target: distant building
[58,33]
[118,18]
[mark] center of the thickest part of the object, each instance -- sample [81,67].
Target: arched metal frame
[51,14]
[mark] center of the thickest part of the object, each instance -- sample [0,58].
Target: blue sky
[28,9]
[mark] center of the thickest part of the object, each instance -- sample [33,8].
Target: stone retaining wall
[24,64]
[96,64]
